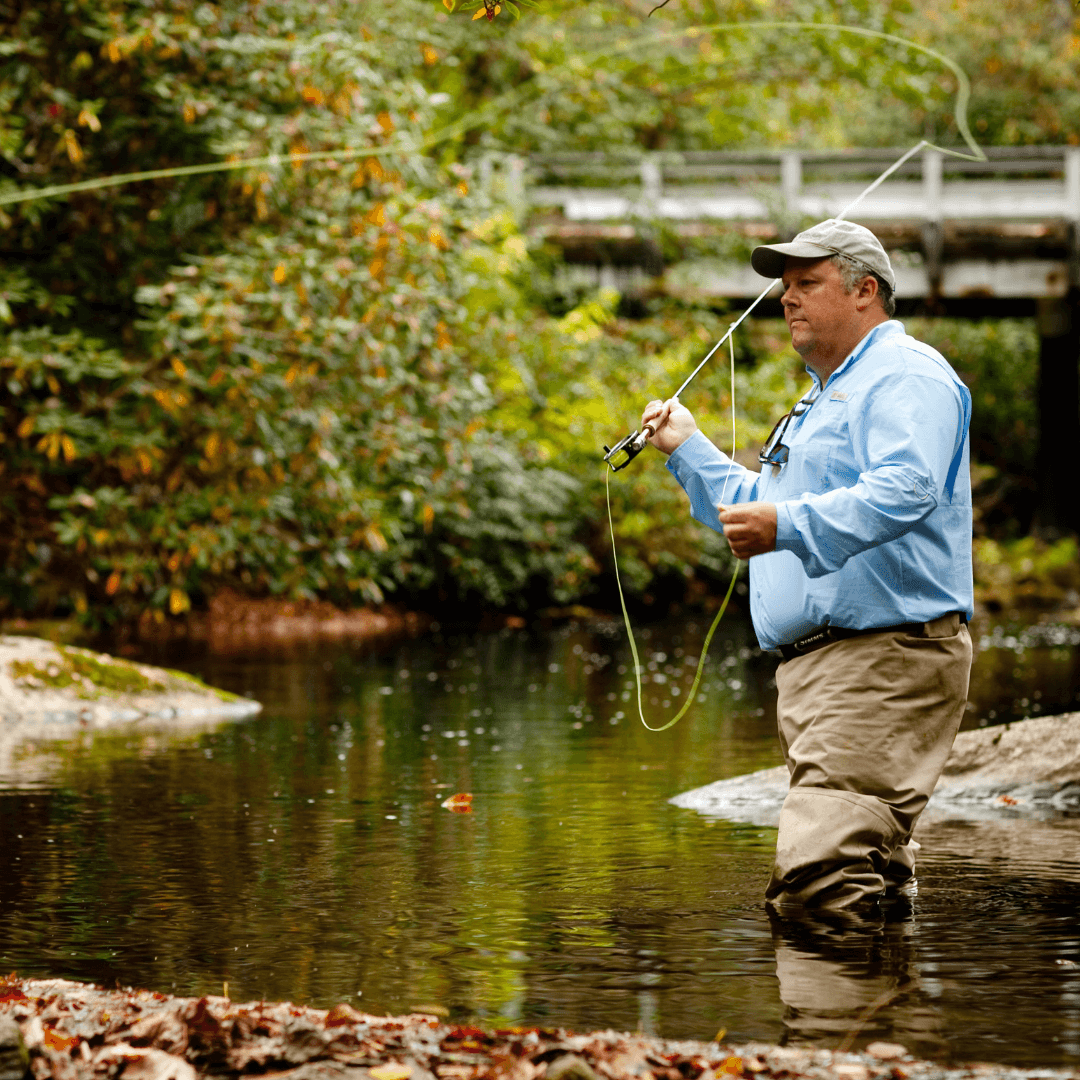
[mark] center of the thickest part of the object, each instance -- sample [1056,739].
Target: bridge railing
[1031,182]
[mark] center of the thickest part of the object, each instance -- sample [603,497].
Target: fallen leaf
[393,1070]
[55,1041]
[459,804]
[343,1013]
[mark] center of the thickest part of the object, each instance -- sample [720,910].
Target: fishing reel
[625,450]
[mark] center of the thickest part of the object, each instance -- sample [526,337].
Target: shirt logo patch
[838,395]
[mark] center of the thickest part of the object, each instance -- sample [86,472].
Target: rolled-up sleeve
[906,442]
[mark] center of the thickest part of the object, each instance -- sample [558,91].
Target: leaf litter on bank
[75,1031]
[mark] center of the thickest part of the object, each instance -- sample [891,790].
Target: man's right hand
[671,422]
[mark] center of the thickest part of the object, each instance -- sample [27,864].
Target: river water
[305,854]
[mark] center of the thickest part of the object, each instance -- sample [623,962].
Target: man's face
[818,309]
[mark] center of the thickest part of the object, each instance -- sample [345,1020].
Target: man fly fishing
[858,532]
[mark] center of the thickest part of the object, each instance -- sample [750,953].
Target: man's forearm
[708,475]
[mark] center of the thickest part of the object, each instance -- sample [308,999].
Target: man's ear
[866,292]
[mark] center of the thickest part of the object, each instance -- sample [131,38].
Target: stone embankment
[71,1031]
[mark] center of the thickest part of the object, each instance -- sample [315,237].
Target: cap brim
[769,261]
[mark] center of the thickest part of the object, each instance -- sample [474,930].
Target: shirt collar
[878,333]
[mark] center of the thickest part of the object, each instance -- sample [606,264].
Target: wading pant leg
[866,725]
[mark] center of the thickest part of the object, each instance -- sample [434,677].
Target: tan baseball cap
[827,238]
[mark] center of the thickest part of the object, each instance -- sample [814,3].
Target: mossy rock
[93,676]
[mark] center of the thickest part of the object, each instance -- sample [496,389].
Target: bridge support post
[933,232]
[1057,509]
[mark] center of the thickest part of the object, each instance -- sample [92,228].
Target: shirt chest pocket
[821,450]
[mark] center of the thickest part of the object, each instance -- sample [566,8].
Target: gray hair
[853,272]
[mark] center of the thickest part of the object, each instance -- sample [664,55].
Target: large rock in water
[51,694]
[1029,769]
[47,688]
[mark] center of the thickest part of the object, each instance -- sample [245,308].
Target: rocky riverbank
[72,1031]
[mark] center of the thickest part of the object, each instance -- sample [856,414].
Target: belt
[826,635]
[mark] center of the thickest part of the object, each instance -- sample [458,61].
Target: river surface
[306,854]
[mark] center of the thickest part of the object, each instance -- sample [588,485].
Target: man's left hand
[750,528]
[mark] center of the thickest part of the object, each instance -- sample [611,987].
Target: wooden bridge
[967,238]
[1004,229]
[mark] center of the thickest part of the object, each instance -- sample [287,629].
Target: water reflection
[305,855]
[848,978]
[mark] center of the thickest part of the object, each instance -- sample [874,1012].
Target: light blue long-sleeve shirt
[873,508]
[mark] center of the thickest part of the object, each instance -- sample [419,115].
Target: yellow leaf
[68,447]
[390,1071]
[479,15]
[290,375]
[377,215]
[376,267]
[463,189]
[189,113]
[71,145]
[429,517]
[279,273]
[113,583]
[88,119]
[386,122]
[26,427]
[430,56]
[212,444]
[146,462]
[50,445]
[448,4]
[173,563]
[179,601]
[179,367]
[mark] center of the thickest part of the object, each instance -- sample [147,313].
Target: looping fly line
[509,100]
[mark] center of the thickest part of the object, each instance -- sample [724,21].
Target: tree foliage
[346,377]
